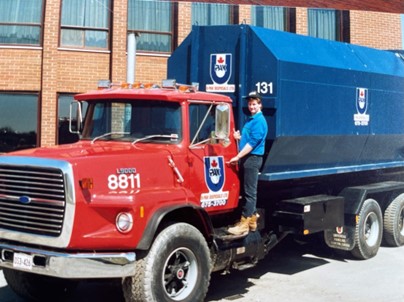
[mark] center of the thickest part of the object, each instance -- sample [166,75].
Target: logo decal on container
[220,72]
[361,118]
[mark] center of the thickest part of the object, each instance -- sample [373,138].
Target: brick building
[50,50]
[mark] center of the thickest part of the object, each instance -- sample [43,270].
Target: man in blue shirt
[251,150]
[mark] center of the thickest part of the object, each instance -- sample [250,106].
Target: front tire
[177,268]
[369,230]
[394,222]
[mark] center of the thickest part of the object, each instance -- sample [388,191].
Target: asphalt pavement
[293,271]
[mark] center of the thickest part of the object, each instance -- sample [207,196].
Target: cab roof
[164,94]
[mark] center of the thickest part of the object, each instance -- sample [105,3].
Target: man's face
[254,106]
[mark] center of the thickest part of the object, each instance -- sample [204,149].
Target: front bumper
[70,265]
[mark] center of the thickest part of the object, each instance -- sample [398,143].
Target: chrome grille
[32,200]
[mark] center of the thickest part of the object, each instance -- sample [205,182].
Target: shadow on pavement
[288,258]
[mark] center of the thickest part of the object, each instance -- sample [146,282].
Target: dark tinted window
[18,121]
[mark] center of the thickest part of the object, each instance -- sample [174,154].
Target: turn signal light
[86,183]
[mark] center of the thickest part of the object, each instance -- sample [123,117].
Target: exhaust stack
[131,59]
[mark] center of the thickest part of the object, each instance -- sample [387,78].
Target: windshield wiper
[108,134]
[173,136]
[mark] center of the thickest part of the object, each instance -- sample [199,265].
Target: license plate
[23,261]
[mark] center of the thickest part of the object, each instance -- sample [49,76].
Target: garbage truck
[146,195]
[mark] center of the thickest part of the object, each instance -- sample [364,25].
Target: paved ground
[292,272]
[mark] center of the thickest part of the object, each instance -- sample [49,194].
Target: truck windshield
[133,121]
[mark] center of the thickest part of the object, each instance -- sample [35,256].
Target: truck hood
[100,180]
[76,152]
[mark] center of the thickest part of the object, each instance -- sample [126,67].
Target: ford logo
[25,199]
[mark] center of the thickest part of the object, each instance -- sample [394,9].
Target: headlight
[124,222]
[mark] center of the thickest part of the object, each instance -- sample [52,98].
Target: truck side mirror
[222,121]
[75,118]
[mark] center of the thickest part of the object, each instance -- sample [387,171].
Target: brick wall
[49,73]
[245,14]
[51,70]
[301,21]
[80,71]
[378,30]
[151,69]
[184,23]
[20,69]
[119,41]
[372,29]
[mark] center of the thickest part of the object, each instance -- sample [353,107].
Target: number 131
[265,87]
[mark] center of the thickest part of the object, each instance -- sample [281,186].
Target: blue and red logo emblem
[361,100]
[220,68]
[214,173]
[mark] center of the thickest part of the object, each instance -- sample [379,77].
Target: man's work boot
[241,227]
[253,222]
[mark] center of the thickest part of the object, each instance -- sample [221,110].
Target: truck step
[221,234]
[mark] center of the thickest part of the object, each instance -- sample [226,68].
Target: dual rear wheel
[372,227]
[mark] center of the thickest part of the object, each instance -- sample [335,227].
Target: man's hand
[236,134]
[234,160]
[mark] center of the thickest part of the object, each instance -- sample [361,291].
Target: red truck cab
[161,149]
[149,162]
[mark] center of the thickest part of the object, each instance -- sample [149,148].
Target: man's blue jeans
[251,164]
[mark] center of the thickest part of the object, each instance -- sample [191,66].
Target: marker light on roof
[169,83]
[103,84]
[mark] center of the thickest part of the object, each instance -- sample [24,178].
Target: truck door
[214,183]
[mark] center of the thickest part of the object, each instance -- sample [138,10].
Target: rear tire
[394,222]
[177,268]
[369,230]
[33,287]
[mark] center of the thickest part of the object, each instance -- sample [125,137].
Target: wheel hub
[180,274]
[371,229]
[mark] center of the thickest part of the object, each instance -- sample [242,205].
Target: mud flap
[342,238]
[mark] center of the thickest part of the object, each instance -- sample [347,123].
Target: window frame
[289,14]
[108,31]
[40,25]
[141,128]
[342,24]
[204,120]
[172,34]
[233,12]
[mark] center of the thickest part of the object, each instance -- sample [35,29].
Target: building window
[211,14]
[21,22]
[328,24]
[18,121]
[152,21]
[85,24]
[272,17]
